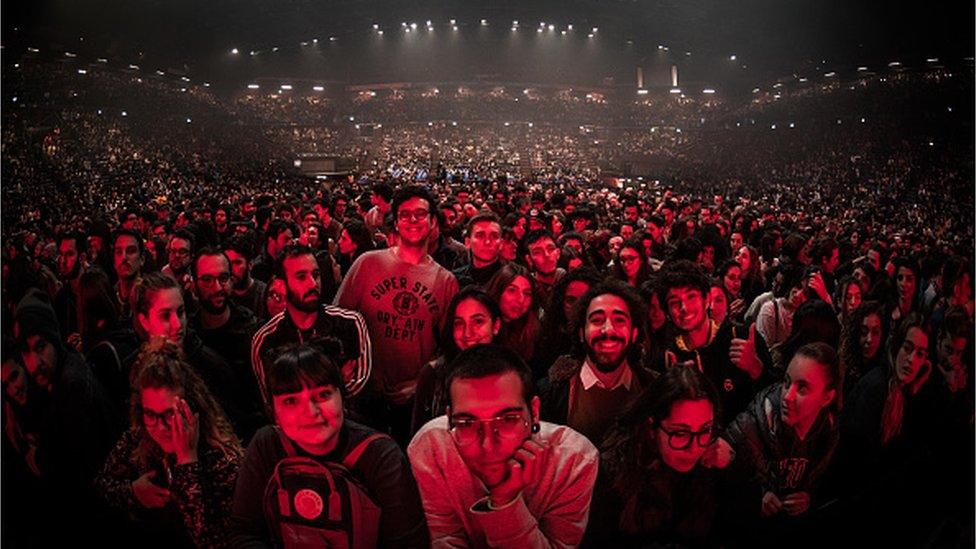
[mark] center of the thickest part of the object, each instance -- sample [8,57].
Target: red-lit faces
[485,243]
[805,393]
[473,324]
[911,355]
[312,417]
[166,316]
[682,437]
[302,282]
[608,331]
[686,307]
[870,336]
[516,299]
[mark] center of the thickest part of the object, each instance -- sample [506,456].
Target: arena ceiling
[724,44]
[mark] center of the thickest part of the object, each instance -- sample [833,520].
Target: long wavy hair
[853,364]
[161,365]
[520,334]
[893,413]
[98,307]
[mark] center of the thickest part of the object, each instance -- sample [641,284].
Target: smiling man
[403,294]
[490,473]
[587,391]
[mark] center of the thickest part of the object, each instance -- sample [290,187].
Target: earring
[535,427]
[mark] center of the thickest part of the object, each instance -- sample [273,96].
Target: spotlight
[234,51]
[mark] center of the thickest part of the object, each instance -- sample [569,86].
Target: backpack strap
[285,442]
[352,457]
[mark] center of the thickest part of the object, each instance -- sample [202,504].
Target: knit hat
[35,316]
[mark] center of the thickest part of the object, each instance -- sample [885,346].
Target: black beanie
[35,316]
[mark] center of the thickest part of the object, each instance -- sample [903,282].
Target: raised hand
[147,493]
[742,353]
[186,432]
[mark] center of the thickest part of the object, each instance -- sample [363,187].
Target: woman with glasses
[274,298]
[173,471]
[306,390]
[652,486]
[783,444]
[630,263]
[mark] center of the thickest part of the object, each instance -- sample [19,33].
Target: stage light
[253,86]
[234,51]
[182,90]
[125,113]
[514,29]
[318,88]
[134,67]
[830,74]
[803,79]
[403,24]
[539,31]
[253,53]
[755,90]
[33,50]
[286,87]
[315,40]
[515,23]
[454,27]
[773,127]
[206,84]
[530,124]
[453,22]
[564,33]
[595,29]
[376,27]
[552,27]
[188,120]
[357,126]
[69,54]
[413,26]
[484,22]
[932,60]
[332,39]
[589,35]
[428,23]
[430,124]
[352,118]
[274,48]
[675,90]
[894,64]
[708,90]
[82,71]
[379,32]
[732,57]
[642,92]
[569,27]
[507,124]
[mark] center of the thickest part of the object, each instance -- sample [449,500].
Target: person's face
[544,255]
[797,296]
[68,262]
[630,262]
[238,268]
[852,298]
[346,244]
[556,226]
[743,258]
[158,415]
[212,281]
[14,381]
[875,258]
[733,281]
[126,257]
[312,236]
[279,242]
[414,222]
[687,416]
[686,308]
[655,313]
[311,418]
[707,258]
[574,291]
[166,316]
[905,280]
[482,399]
[950,350]
[735,241]
[309,219]
[40,357]
[870,336]
[275,301]
[718,304]
[655,231]
[911,355]
[178,254]
[615,243]
[631,214]
[805,392]
[833,261]
[473,324]
[303,282]
[608,331]
[131,222]
[580,224]
[95,244]
[285,214]
[340,208]
[485,242]
[576,244]
[509,249]
[220,219]
[516,299]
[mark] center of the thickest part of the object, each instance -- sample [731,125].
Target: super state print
[400,300]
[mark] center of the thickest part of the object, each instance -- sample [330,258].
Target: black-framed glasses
[415,215]
[680,439]
[508,426]
[210,280]
[151,419]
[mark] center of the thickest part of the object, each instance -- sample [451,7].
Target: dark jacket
[554,390]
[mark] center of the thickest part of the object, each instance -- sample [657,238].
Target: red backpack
[312,504]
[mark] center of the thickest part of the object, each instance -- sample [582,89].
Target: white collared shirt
[589,378]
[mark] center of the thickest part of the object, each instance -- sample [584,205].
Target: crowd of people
[479,338]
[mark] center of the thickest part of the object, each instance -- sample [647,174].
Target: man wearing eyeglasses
[226,327]
[403,294]
[490,473]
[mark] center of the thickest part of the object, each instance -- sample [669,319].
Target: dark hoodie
[77,425]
